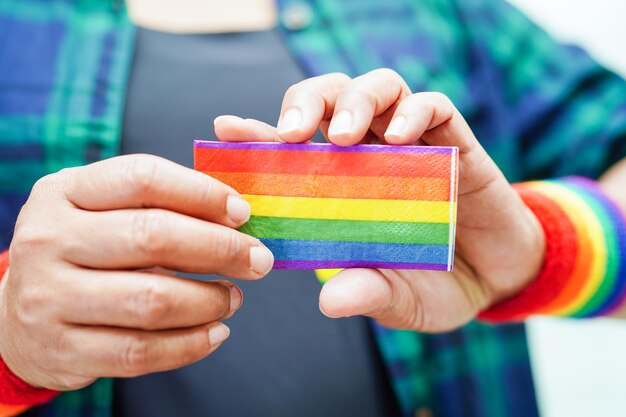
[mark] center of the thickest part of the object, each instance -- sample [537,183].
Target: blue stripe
[356,251]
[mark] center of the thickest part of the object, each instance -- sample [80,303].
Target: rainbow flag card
[324,206]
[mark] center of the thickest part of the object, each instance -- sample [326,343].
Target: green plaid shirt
[540,109]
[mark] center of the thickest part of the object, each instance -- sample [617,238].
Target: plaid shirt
[540,109]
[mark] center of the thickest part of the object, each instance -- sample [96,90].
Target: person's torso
[283,356]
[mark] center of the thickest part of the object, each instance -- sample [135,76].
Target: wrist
[16,395]
[552,274]
[532,251]
[4,274]
[525,256]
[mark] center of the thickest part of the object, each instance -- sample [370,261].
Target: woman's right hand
[83,297]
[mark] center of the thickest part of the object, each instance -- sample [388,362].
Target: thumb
[387,298]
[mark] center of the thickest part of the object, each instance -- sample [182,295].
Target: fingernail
[397,126]
[236,298]
[218,333]
[291,120]
[238,209]
[341,123]
[261,259]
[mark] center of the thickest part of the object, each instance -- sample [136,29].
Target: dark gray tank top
[283,358]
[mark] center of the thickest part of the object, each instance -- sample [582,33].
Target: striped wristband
[584,272]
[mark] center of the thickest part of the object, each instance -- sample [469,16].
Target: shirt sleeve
[552,109]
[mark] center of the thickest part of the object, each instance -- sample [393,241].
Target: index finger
[307,103]
[365,98]
[146,181]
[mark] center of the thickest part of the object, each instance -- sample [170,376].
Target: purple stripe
[326,147]
[618,293]
[286,264]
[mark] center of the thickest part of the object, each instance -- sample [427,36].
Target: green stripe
[347,230]
[610,235]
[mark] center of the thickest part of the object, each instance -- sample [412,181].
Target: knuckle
[54,183]
[422,321]
[440,97]
[68,171]
[147,233]
[212,191]
[63,347]
[141,173]
[293,89]
[66,175]
[29,236]
[28,304]
[309,97]
[359,94]
[300,92]
[152,305]
[336,81]
[387,73]
[72,382]
[191,352]
[47,182]
[135,356]
[414,319]
[315,85]
[440,101]
[228,246]
[415,315]
[340,76]
[219,300]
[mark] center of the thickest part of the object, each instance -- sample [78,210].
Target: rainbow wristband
[584,274]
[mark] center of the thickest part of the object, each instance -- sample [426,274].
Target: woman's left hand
[500,244]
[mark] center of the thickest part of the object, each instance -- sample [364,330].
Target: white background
[580,366]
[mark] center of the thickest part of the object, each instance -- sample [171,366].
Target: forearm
[613,182]
[614,185]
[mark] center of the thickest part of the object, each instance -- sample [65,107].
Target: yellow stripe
[323,275]
[351,209]
[582,215]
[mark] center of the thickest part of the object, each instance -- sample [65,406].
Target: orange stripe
[372,164]
[326,186]
[577,282]
[11,410]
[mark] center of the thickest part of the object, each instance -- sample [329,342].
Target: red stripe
[560,257]
[4,263]
[371,164]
